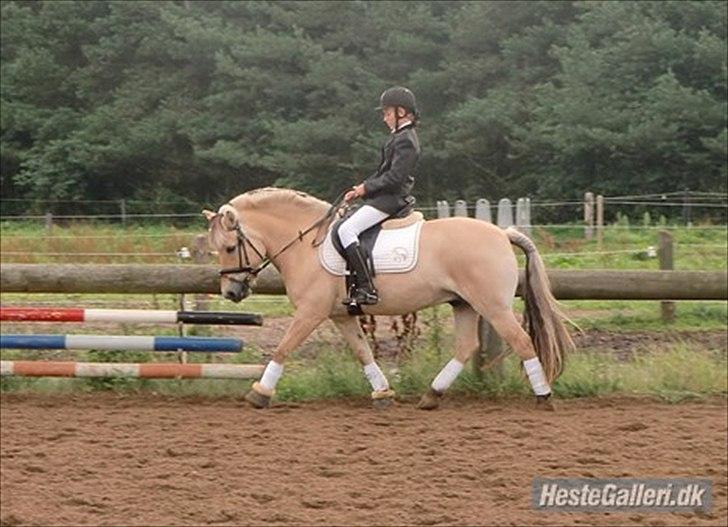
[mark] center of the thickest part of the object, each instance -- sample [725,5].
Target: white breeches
[367,216]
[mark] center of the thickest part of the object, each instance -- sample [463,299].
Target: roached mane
[256,199]
[270,195]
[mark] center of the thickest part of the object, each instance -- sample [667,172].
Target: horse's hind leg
[466,342]
[382,395]
[507,326]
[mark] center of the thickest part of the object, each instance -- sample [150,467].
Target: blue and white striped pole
[121,342]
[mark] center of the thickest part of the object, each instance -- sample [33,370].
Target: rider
[387,192]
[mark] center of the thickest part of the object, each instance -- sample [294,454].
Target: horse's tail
[542,318]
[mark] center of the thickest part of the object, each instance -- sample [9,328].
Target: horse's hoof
[257,399]
[544,402]
[382,399]
[381,404]
[430,400]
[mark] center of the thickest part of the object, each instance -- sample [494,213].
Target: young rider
[387,192]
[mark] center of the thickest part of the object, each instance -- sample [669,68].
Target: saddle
[368,238]
[390,247]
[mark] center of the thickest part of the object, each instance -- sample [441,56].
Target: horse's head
[240,252]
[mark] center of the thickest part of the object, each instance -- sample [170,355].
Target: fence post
[667,307]
[461,208]
[482,210]
[122,207]
[687,211]
[505,213]
[600,220]
[523,215]
[199,256]
[443,209]
[490,347]
[588,215]
[490,344]
[49,222]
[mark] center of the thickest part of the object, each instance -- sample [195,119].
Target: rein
[243,241]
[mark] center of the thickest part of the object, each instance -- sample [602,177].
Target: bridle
[242,242]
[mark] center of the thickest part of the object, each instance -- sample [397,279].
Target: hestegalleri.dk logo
[587,494]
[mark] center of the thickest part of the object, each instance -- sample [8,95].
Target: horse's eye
[230,249]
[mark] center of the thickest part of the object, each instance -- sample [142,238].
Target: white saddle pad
[394,252]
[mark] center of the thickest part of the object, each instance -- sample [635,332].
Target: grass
[672,374]
[639,315]
[695,248]
[139,243]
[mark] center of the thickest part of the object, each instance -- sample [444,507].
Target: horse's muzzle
[236,292]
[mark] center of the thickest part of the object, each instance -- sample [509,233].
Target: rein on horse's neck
[278,226]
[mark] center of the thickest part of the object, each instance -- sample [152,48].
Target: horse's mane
[262,198]
[270,196]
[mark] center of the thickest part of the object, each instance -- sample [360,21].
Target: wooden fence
[141,278]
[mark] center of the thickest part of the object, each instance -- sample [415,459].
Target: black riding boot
[365,292]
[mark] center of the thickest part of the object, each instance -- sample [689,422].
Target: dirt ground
[108,459]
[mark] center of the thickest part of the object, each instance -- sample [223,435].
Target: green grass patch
[674,373]
[642,315]
[700,247]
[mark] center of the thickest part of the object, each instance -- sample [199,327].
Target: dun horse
[465,262]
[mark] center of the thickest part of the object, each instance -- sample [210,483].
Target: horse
[467,263]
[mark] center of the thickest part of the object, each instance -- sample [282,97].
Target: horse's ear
[229,217]
[208,214]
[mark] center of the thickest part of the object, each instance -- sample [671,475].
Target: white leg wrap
[447,375]
[536,376]
[271,375]
[376,377]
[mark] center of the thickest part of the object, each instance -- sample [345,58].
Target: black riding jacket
[389,189]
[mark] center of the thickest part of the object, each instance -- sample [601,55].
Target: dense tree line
[196,101]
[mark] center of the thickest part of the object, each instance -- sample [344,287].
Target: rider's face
[389,116]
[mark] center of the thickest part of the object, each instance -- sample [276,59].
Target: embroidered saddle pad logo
[394,252]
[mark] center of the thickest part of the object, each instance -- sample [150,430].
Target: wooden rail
[139,278]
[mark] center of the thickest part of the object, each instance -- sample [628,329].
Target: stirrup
[363,297]
[366,297]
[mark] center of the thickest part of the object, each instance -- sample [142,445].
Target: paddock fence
[566,284]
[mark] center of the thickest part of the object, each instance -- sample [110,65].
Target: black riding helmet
[399,96]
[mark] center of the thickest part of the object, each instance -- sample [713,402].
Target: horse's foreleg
[466,342]
[301,327]
[354,336]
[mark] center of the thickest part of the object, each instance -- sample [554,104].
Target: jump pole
[34,314]
[148,370]
[121,342]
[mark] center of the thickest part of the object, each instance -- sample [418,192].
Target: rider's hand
[354,193]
